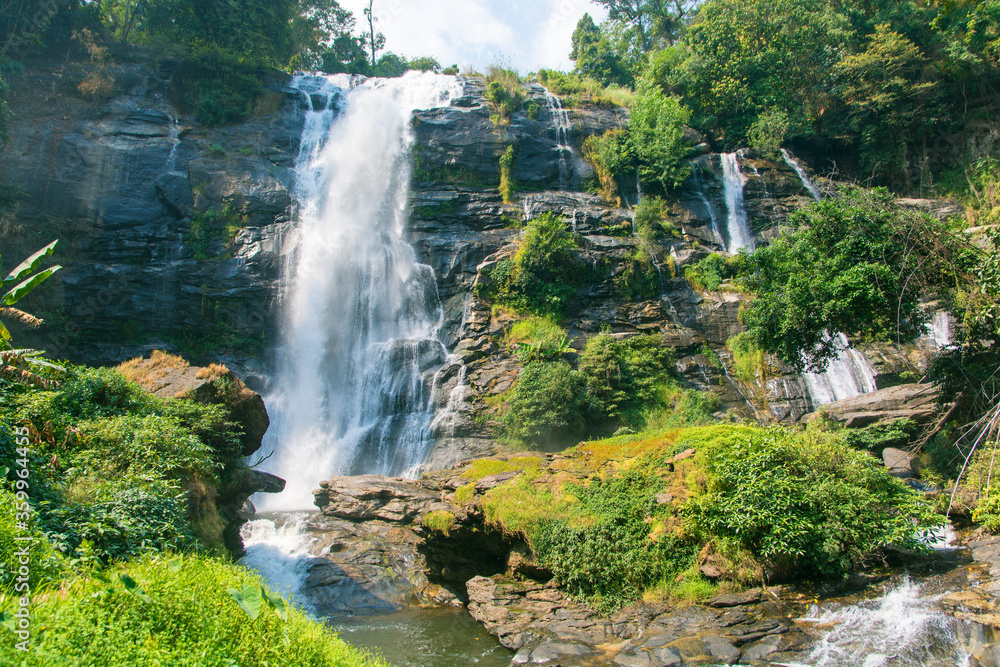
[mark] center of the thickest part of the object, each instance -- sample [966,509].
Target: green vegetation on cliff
[651,514]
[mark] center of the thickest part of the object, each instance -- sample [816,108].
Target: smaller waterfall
[278,553]
[940,329]
[175,141]
[792,162]
[562,126]
[899,629]
[737,224]
[849,374]
[700,187]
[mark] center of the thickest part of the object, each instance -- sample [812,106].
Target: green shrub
[216,86]
[547,404]
[537,338]
[624,378]
[656,136]
[898,433]
[610,155]
[172,611]
[802,503]
[639,277]
[507,184]
[504,93]
[610,559]
[767,133]
[542,275]
[707,275]
[749,361]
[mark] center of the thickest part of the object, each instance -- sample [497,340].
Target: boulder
[918,402]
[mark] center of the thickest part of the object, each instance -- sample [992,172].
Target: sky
[526,34]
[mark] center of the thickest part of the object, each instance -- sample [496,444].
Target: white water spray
[700,188]
[737,224]
[354,388]
[792,162]
[278,553]
[900,629]
[847,375]
[940,329]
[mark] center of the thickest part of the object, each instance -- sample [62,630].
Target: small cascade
[278,550]
[792,162]
[175,141]
[573,221]
[353,391]
[849,374]
[899,629]
[562,126]
[737,224]
[446,420]
[940,329]
[703,196]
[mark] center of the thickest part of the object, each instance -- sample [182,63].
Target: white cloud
[529,33]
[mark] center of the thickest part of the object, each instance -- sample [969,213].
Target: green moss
[440,521]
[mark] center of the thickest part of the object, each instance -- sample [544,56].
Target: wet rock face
[125,186]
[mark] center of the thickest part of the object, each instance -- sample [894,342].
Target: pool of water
[423,638]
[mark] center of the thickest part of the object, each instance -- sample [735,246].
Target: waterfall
[940,329]
[353,392]
[278,553]
[700,188]
[175,141]
[792,162]
[900,628]
[847,375]
[562,126]
[737,225]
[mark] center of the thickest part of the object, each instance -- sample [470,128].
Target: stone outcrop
[169,376]
[918,402]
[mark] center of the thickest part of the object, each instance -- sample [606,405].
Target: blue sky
[530,34]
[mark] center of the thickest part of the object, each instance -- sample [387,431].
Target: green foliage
[609,154]
[768,132]
[887,98]
[707,275]
[749,361]
[656,136]
[856,264]
[542,275]
[145,613]
[624,377]
[595,56]
[504,93]
[47,566]
[537,338]
[639,277]
[216,86]
[112,459]
[611,559]
[580,89]
[507,184]
[547,404]
[898,433]
[802,503]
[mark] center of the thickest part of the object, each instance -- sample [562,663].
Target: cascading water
[700,189]
[278,550]
[354,390]
[737,224]
[847,375]
[562,126]
[900,629]
[940,329]
[792,162]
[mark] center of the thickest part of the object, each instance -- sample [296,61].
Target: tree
[650,23]
[22,364]
[856,264]
[595,57]
[656,136]
[887,99]
[375,41]
[318,25]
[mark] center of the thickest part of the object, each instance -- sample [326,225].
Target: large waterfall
[353,392]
